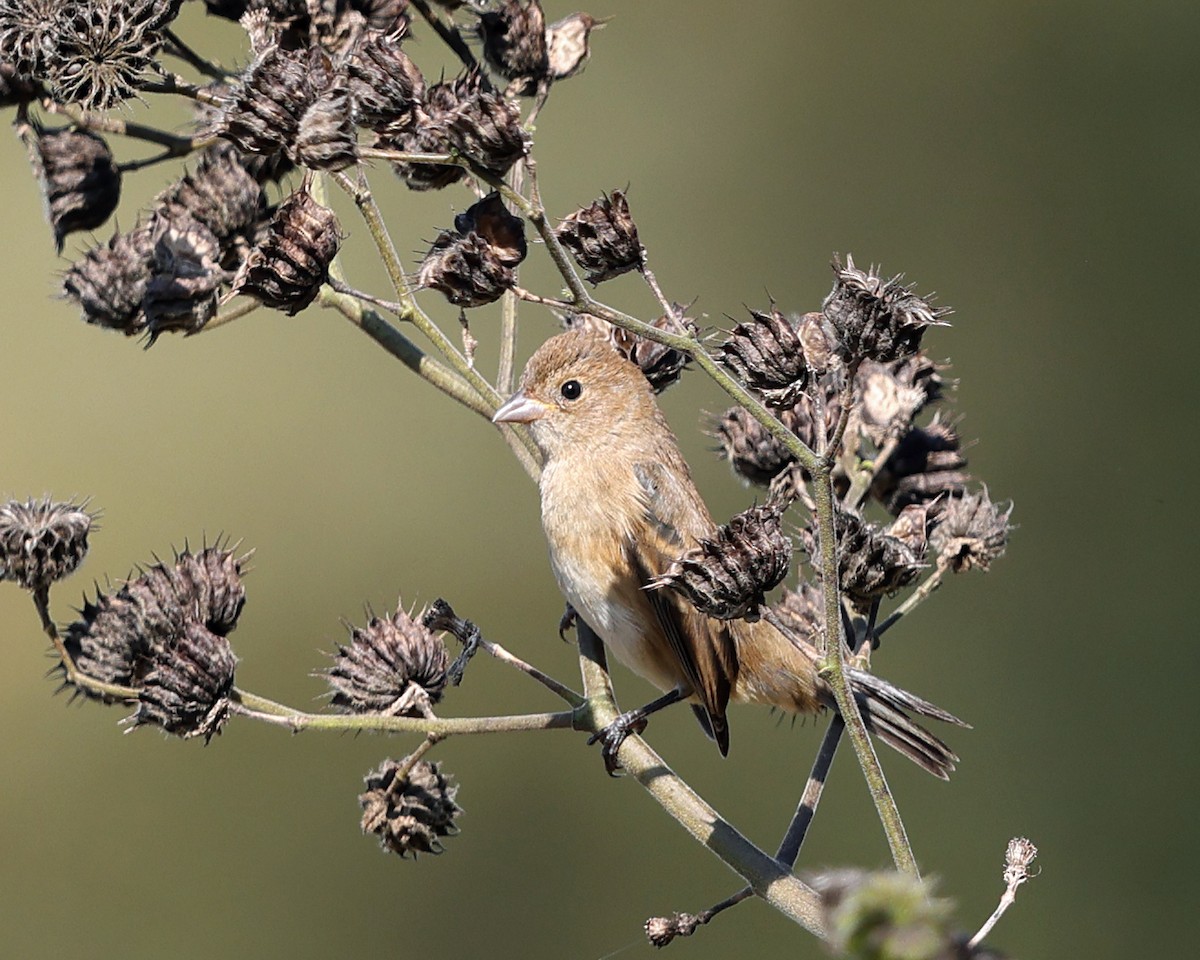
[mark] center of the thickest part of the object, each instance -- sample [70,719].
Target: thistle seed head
[603,238]
[42,541]
[109,281]
[474,263]
[514,43]
[409,814]
[971,531]
[80,182]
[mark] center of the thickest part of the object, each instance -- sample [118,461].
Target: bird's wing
[675,518]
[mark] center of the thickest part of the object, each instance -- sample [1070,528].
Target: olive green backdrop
[1034,163]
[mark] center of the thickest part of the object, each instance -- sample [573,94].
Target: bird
[618,506]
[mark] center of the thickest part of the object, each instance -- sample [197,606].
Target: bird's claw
[611,737]
[566,622]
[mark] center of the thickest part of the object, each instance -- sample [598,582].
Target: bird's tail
[885,710]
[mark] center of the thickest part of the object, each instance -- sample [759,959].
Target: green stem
[833,671]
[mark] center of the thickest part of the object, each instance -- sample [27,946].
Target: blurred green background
[1034,163]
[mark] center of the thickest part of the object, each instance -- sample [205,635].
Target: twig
[247,306]
[1019,855]
[342,287]
[450,34]
[189,56]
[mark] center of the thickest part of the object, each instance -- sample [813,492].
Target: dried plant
[836,417]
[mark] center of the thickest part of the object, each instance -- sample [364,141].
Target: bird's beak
[519,409]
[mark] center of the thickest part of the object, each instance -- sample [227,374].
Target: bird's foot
[611,737]
[567,622]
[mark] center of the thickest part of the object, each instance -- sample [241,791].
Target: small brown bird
[618,506]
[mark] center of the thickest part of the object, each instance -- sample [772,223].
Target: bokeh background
[1034,163]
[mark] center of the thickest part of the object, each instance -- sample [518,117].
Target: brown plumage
[618,506]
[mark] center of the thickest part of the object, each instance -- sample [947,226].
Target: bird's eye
[571,390]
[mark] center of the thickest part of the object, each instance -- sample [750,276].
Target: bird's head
[578,392]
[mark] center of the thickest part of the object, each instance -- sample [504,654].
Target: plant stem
[450,34]
[189,56]
[247,306]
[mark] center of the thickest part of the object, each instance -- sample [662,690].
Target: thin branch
[176,47]
[247,306]
[342,287]
[99,123]
[450,34]
[173,83]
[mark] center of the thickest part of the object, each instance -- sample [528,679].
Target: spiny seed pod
[514,43]
[80,182]
[410,815]
[394,665]
[603,238]
[264,113]
[220,193]
[415,132]
[108,644]
[802,610]
[876,319]
[110,281]
[474,264]
[101,49]
[286,270]
[42,541]
[568,44]
[753,453]
[181,296]
[325,139]
[385,84]
[911,527]
[481,123]
[927,464]
[725,576]
[662,930]
[887,404]
[870,562]
[187,688]
[213,579]
[971,531]
[17,88]
[767,356]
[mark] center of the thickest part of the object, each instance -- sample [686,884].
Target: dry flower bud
[385,83]
[871,563]
[874,318]
[753,453]
[80,182]
[188,684]
[662,930]
[181,295]
[569,44]
[482,124]
[887,404]
[394,665]
[1017,858]
[766,354]
[971,531]
[325,139]
[16,87]
[285,271]
[911,527]
[42,541]
[98,51]
[412,814]
[263,115]
[928,463]
[220,193]
[603,238]
[110,280]
[726,576]
[514,42]
[474,263]
[212,579]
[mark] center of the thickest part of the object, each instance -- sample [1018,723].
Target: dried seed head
[474,263]
[886,915]
[927,464]
[80,182]
[414,132]
[802,610]
[109,281]
[514,43]
[101,49]
[116,639]
[181,296]
[412,814]
[263,115]
[221,194]
[876,319]
[970,531]
[481,123]
[887,405]
[1017,857]
[385,16]
[911,527]
[16,87]
[568,44]
[662,930]
[753,453]
[766,354]
[386,85]
[285,271]
[42,541]
[26,33]
[603,238]
[325,139]
[187,687]
[394,665]
[871,563]
[726,576]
